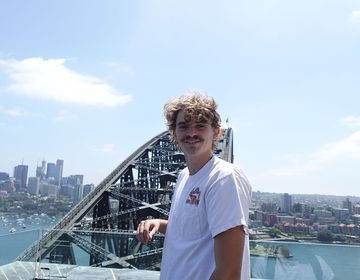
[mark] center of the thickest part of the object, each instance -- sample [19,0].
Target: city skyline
[42,171]
[86,83]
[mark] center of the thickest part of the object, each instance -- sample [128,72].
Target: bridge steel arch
[103,223]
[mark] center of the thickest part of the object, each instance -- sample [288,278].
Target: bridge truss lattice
[102,225]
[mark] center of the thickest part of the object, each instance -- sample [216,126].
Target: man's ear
[217,131]
[173,134]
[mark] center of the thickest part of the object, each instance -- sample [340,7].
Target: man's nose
[192,131]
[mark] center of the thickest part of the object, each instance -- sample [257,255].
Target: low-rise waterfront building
[295,228]
[285,219]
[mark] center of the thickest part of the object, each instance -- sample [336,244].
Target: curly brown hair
[196,105]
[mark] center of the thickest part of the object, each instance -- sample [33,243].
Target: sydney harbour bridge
[102,226]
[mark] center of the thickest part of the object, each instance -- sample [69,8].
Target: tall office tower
[51,170]
[48,189]
[43,170]
[347,204]
[67,190]
[357,209]
[78,193]
[34,185]
[20,174]
[269,207]
[75,180]
[88,188]
[40,170]
[286,203]
[59,171]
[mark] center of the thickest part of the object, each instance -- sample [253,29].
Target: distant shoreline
[307,241]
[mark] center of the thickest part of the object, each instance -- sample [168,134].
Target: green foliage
[325,236]
[274,232]
[22,203]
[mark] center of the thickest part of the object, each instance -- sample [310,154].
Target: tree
[274,232]
[325,236]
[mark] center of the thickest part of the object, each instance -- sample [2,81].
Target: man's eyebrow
[196,122]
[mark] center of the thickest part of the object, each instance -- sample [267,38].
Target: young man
[206,233]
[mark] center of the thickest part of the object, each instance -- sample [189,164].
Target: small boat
[12,230]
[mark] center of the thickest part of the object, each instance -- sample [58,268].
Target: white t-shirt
[205,204]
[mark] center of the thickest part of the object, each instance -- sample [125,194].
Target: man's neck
[195,163]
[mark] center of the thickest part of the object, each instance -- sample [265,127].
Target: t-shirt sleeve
[227,202]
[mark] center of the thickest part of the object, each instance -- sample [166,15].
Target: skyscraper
[40,170]
[51,170]
[20,174]
[59,171]
[347,204]
[76,181]
[34,185]
[286,203]
[78,193]
[88,188]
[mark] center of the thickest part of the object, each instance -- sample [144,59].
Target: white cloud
[344,149]
[351,121]
[348,148]
[50,79]
[15,112]
[354,17]
[105,148]
[63,116]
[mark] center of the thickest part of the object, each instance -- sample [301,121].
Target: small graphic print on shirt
[194,196]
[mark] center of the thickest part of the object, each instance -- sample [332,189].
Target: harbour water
[16,223]
[17,233]
[13,244]
[308,261]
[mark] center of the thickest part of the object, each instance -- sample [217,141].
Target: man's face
[194,138]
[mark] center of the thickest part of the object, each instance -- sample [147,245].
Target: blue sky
[86,82]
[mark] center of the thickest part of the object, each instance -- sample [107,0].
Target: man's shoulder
[183,172]
[223,168]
